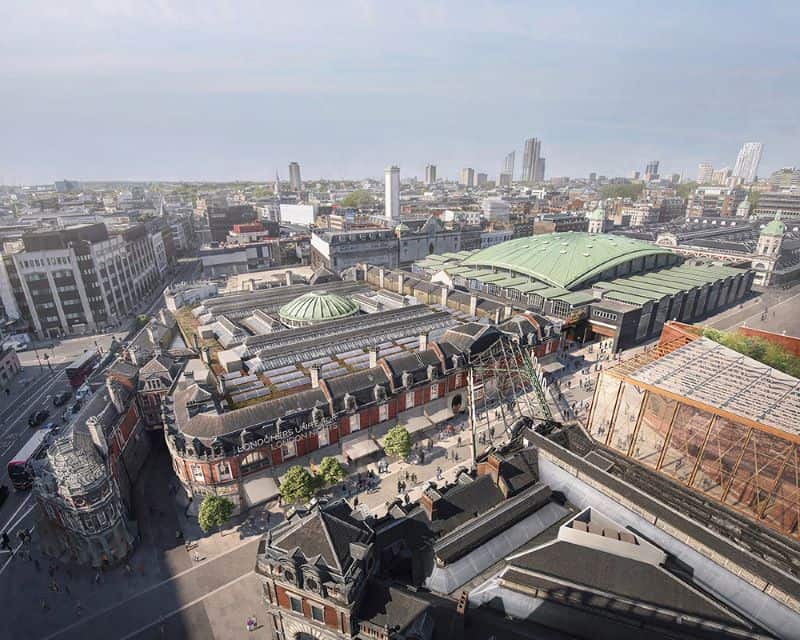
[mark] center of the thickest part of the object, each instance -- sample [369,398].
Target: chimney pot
[314,371]
[373,357]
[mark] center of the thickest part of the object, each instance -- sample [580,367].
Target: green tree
[142,319]
[397,442]
[685,189]
[359,199]
[631,191]
[330,471]
[297,485]
[215,511]
[753,197]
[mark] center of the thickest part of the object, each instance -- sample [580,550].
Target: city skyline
[88,97]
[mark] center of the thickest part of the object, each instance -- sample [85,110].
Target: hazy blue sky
[155,89]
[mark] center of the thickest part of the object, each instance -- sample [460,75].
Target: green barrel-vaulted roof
[563,259]
[318,306]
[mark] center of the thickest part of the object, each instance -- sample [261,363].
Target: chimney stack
[473,304]
[114,396]
[429,502]
[445,292]
[497,315]
[373,357]
[366,271]
[400,280]
[288,278]
[314,371]
[97,434]
[508,311]
[381,277]
[423,341]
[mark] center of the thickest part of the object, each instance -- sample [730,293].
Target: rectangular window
[355,422]
[296,604]
[224,471]
[409,400]
[289,449]
[383,412]
[317,613]
[323,438]
[197,473]
[434,391]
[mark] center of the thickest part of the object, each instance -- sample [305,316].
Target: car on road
[38,417]
[61,398]
[52,425]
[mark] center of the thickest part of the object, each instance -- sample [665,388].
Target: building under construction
[712,419]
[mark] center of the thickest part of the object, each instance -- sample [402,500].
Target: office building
[222,218]
[481,179]
[721,177]
[713,201]
[295,184]
[496,209]
[592,177]
[467,178]
[635,175]
[508,164]
[651,171]
[392,194]
[302,214]
[787,203]
[82,278]
[531,161]
[705,172]
[430,174]
[747,161]
[786,178]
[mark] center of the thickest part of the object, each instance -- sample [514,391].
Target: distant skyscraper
[651,171]
[481,179]
[636,175]
[531,160]
[508,163]
[430,174]
[705,171]
[467,177]
[295,183]
[392,193]
[747,161]
[593,177]
[538,173]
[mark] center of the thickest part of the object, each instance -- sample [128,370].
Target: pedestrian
[269,513]
[97,578]
[355,502]
[399,486]
[414,478]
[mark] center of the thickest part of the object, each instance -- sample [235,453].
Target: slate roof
[615,574]
[323,535]
[390,607]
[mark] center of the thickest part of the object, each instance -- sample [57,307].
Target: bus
[79,370]
[19,470]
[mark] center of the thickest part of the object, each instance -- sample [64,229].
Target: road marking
[34,400]
[155,586]
[12,526]
[164,618]
[13,515]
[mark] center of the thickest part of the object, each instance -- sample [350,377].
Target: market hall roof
[564,259]
[318,306]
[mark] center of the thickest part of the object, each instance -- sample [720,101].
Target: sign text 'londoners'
[287,433]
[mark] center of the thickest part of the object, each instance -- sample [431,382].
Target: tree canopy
[359,199]
[297,485]
[769,353]
[214,511]
[632,190]
[397,442]
[683,190]
[330,470]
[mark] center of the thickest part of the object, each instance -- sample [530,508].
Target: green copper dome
[774,227]
[316,307]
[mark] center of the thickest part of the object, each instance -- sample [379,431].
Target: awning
[259,488]
[361,448]
[552,367]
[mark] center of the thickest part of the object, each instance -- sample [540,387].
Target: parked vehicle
[38,417]
[62,398]
[51,426]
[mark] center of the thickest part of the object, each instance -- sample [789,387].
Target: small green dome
[774,227]
[316,307]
